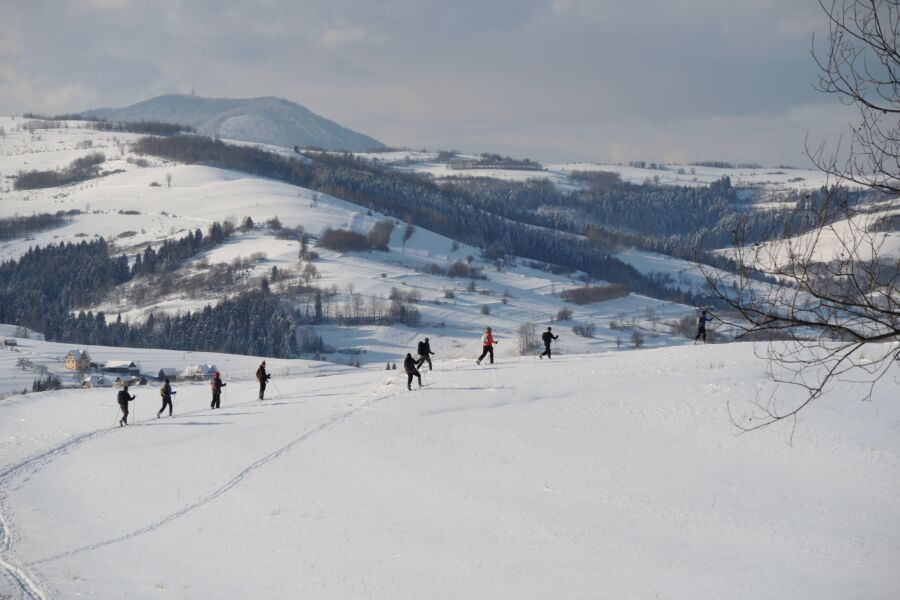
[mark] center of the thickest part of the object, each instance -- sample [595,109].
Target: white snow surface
[615,475]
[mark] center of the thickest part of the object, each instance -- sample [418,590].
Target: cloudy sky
[548,79]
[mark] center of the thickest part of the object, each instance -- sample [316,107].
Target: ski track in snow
[28,582]
[227,486]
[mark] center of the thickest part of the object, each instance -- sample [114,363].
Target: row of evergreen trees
[452,211]
[40,289]
[18,227]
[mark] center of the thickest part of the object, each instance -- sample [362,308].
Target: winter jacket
[487,339]
[702,321]
[409,364]
[124,398]
[424,349]
[548,337]
[261,374]
[216,384]
[166,391]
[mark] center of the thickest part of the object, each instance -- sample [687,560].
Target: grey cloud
[564,79]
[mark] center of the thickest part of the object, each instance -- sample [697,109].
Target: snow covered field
[614,475]
[778,179]
[129,202]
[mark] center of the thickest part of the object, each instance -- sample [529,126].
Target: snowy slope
[267,120]
[766,180]
[863,236]
[199,195]
[615,475]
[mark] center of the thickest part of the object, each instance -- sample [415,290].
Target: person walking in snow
[166,392]
[216,384]
[702,320]
[548,338]
[425,354]
[409,364]
[487,344]
[123,399]
[262,377]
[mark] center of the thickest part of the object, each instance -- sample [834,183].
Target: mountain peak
[266,119]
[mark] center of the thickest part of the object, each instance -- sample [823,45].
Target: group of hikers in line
[216,384]
[410,365]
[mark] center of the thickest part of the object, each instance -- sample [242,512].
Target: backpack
[422,350]
[162,391]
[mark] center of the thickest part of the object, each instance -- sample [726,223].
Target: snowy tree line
[448,210]
[80,169]
[17,227]
[40,290]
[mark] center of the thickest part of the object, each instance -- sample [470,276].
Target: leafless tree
[827,295]
[860,64]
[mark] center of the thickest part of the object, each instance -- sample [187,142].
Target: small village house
[122,367]
[199,372]
[167,373]
[78,360]
[95,380]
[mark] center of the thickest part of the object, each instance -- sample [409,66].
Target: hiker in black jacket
[548,338]
[124,398]
[216,384]
[411,371]
[166,392]
[262,377]
[425,354]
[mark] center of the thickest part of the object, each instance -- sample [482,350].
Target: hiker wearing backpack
[216,384]
[166,392]
[487,344]
[425,354]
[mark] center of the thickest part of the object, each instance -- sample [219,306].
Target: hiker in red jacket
[487,342]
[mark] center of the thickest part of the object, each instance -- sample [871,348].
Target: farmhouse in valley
[78,360]
[167,373]
[123,367]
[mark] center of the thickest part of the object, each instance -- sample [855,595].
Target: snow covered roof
[77,354]
[121,364]
[169,371]
[95,379]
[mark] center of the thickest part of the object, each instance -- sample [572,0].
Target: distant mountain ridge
[266,120]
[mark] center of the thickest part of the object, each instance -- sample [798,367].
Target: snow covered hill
[136,206]
[612,475]
[266,120]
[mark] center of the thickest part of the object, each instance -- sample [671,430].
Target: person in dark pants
[124,398]
[262,377]
[425,354]
[548,338]
[216,384]
[166,392]
[411,371]
[702,320]
[487,343]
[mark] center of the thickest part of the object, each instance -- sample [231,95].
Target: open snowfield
[767,179]
[615,475]
[865,236]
